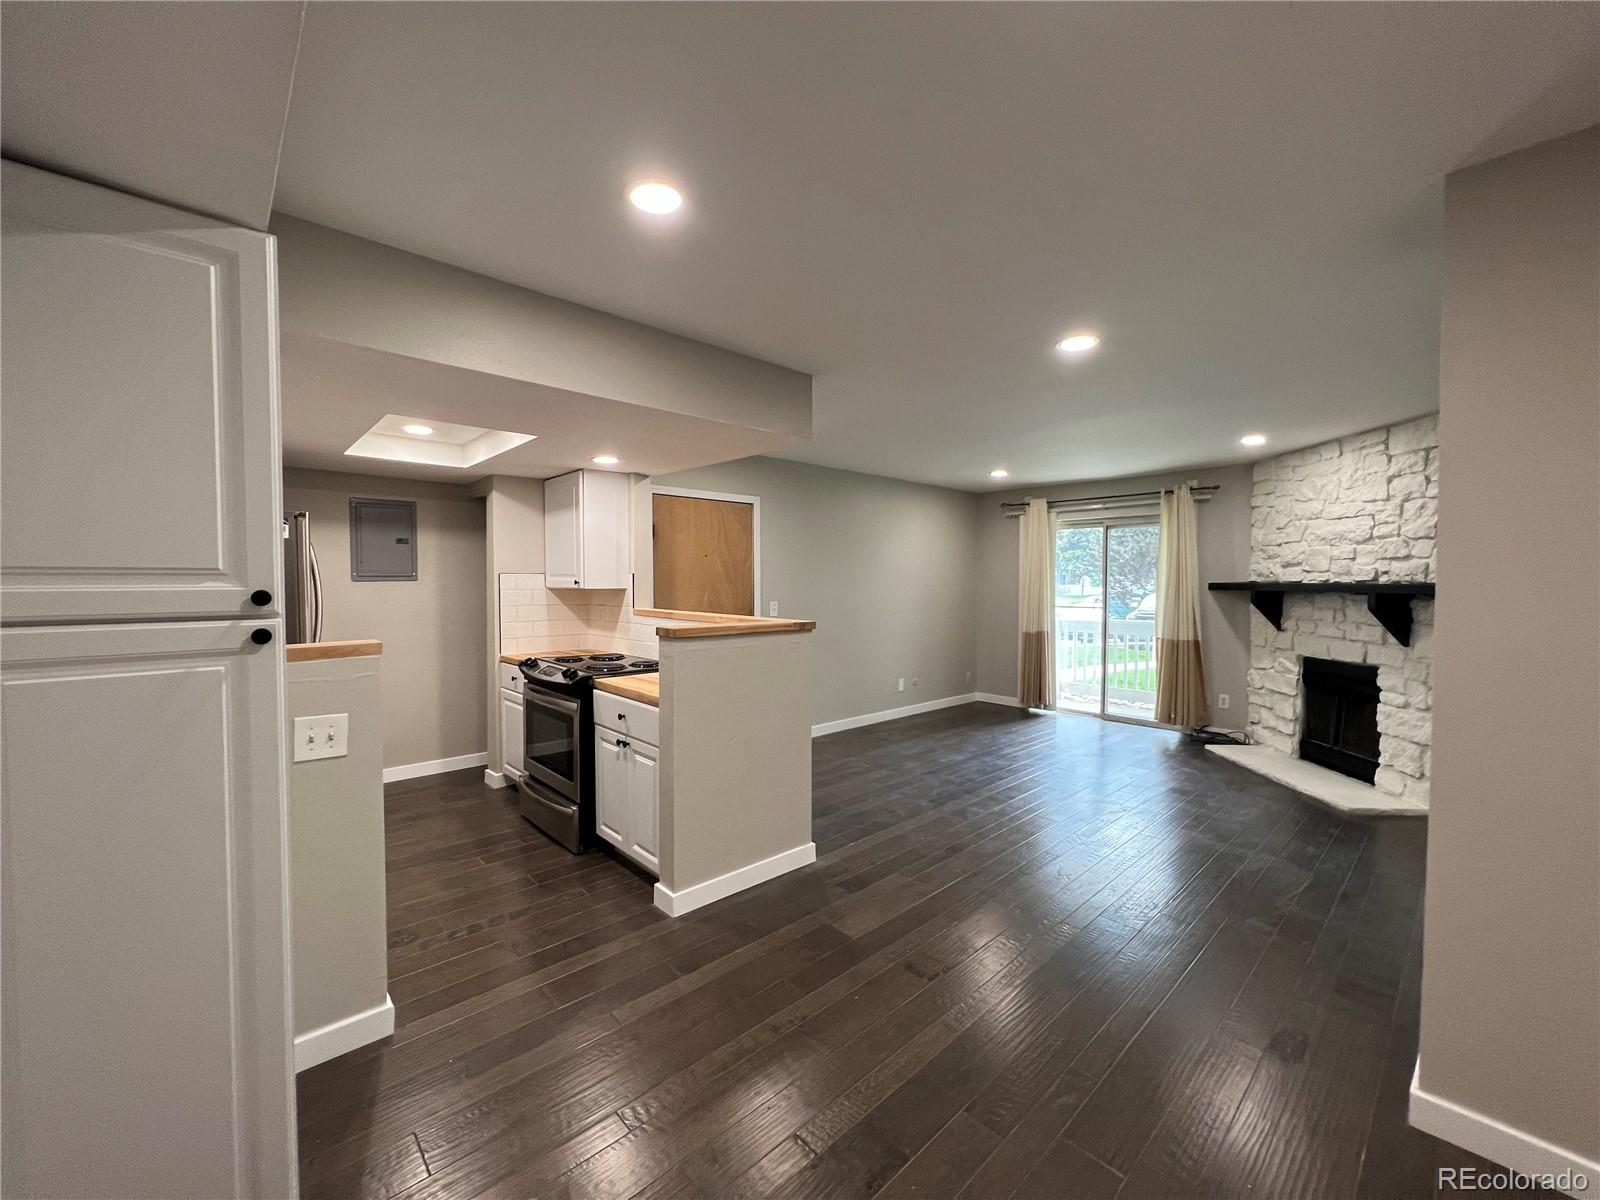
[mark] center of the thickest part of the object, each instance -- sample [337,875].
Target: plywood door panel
[140,473]
[146,1031]
[704,558]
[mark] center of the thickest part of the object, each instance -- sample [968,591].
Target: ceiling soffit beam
[346,288]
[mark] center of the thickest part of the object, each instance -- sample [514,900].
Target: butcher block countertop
[644,688]
[318,651]
[721,624]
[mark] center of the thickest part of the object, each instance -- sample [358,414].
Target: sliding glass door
[1105,618]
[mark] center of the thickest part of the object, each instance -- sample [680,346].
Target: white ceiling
[334,392]
[183,103]
[913,202]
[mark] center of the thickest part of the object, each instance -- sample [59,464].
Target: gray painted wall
[1224,553]
[1511,961]
[336,285]
[434,700]
[884,567]
[341,964]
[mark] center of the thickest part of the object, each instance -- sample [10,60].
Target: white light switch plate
[326,736]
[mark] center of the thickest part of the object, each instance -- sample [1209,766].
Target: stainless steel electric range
[557,787]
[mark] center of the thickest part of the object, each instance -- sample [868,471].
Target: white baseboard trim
[675,904]
[892,714]
[992,698]
[343,1036]
[437,767]
[1500,1143]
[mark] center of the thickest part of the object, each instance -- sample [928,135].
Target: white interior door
[139,435]
[146,1022]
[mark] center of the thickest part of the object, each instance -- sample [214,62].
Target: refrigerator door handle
[316,595]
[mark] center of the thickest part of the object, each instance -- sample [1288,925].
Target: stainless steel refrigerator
[302,582]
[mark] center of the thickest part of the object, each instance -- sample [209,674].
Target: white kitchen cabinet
[627,796]
[512,734]
[644,805]
[144,922]
[586,527]
[611,787]
[139,468]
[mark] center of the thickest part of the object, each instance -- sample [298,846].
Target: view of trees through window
[1130,564]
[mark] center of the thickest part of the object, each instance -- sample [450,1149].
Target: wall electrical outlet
[1222,700]
[772,608]
[327,736]
[899,685]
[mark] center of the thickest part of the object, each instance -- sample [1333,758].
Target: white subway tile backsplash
[535,619]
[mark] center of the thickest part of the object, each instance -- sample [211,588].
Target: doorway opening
[1105,617]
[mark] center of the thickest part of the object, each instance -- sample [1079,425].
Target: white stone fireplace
[1359,509]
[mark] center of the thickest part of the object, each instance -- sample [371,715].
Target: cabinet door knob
[261,597]
[261,636]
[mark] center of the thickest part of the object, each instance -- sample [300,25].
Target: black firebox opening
[1340,729]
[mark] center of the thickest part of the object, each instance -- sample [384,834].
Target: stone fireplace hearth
[1358,509]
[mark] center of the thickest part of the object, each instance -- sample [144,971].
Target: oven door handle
[567,708]
[563,807]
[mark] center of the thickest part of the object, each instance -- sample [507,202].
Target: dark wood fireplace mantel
[1389,602]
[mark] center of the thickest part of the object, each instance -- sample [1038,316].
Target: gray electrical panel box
[383,539]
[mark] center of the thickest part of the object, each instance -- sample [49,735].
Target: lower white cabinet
[628,797]
[512,733]
[147,1011]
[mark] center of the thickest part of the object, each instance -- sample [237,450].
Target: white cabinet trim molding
[685,900]
[437,766]
[344,1035]
[894,714]
[1497,1141]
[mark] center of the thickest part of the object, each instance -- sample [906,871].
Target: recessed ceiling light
[1077,343]
[657,198]
[417,430]
[1253,439]
[605,460]
[999,473]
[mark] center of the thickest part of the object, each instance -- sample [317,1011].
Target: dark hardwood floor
[1037,957]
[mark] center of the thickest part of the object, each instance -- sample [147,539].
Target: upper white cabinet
[586,523]
[138,439]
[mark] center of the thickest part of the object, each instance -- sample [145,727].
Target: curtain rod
[1199,493]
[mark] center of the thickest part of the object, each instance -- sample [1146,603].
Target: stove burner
[604,669]
[571,658]
[605,658]
[644,663]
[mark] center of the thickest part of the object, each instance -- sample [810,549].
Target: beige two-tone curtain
[1180,675]
[1036,592]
